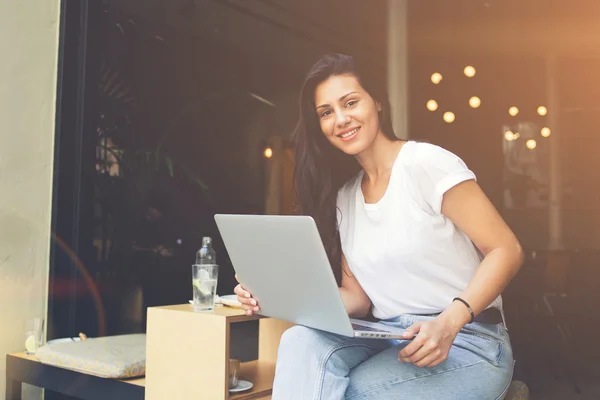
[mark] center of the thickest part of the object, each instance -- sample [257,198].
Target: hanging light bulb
[449,117]
[513,111]
[475,102]
[469,71]
[541,110]
[268,152]
[432,105]
[436,78]
[531,144]
[509,136]
[545,131]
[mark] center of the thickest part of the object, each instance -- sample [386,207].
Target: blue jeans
[315,365]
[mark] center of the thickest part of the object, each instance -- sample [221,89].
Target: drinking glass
[204,285]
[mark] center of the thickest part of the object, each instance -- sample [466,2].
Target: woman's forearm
[495,272]
[467,206]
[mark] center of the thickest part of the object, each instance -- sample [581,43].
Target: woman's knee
[299,336]
[303,343]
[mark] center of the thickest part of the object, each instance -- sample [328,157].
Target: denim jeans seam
[512,372]
[498,342]
[500,353]
[391,383]
[325,359]
[505,337]
[480,335]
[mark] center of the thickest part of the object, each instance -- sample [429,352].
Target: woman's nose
[342,118]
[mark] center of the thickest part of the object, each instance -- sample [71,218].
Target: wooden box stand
[187,353]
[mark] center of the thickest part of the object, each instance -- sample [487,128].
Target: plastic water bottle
[206,254]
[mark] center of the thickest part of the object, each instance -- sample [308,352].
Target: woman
[413,238]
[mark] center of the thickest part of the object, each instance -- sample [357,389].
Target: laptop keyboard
[358,327]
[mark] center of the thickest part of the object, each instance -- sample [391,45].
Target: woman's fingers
[242,293]
[239,290]
[431,360]
[250,309]
[424,355]
[245,297]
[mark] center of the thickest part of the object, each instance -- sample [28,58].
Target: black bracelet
[468,306]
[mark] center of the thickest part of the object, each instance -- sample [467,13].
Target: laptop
[281,260]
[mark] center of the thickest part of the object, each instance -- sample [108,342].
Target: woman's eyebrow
[340,99]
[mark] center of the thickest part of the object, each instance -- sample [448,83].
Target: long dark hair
[320,169]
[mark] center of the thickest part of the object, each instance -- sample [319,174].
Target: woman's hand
[433,342]
[245,297]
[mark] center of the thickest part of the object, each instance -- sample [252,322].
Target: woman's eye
[325,113]
[351,103]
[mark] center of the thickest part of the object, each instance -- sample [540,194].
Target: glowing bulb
[541,110]
[516,135]
[513,111]
[268,152]
[531,144]
[545,131]
[509,135]
[469,71]
[449,117]
[436,78]
[432,105]
[474,101]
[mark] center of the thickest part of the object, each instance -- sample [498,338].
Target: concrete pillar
[555,181]
[398,65]
[557,268]
[274,176]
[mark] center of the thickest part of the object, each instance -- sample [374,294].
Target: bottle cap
[206,240]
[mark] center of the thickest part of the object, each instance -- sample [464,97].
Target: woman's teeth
[352,132]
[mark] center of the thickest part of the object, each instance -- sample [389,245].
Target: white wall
[28,67]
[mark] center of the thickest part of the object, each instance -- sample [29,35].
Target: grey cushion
[118,357]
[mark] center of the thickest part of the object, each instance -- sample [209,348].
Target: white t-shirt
[408,257]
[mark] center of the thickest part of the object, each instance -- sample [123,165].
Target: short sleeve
[343,202]
[437,170]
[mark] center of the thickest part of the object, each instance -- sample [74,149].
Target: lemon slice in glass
[30,345]
[204,287]
[197,283]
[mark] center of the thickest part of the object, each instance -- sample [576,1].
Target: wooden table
[24,368]
[187,357]
[187,354]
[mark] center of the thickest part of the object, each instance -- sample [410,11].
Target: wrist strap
[468,307]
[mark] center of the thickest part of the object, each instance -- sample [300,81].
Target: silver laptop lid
[282,262]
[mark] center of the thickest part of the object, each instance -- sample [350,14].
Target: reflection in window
[107,157]
[525,166]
